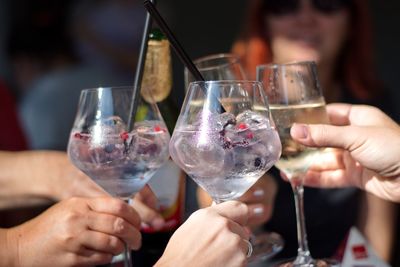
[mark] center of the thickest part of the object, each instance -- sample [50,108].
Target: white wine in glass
[297,158]
[295,96]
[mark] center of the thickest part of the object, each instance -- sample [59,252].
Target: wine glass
[217,67]
[295,96]
[224,138]
[225,66]
[120,160]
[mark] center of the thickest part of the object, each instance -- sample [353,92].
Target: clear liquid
[297,158]
[225,172]
[120,166]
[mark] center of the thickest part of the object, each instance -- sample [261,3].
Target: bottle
[168,183]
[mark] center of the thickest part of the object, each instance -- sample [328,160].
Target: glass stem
[127,256]
[127,251]
[303,253]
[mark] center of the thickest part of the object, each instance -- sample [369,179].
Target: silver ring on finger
[249,248]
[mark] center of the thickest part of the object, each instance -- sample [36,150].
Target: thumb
[321,135]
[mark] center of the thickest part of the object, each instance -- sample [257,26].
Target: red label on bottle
[359,252]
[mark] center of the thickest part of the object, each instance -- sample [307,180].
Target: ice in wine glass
[225,153]
[230,156]
[119,159]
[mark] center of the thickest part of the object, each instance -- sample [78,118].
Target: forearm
[7,250]
[22,174]
[379,214]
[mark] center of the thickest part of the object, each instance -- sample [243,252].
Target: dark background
[210,26]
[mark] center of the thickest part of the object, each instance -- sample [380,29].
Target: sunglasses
[286,7]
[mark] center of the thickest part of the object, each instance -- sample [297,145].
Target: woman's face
[307,34]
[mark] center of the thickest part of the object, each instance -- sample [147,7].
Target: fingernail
[299,131]
[258,193]
[258,210]
[158,223]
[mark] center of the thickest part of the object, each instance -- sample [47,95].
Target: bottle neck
[170,112]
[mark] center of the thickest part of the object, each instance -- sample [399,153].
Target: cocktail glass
[120,160]
[224,138]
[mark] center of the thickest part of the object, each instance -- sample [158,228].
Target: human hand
[146,204]
[213,236]
[371,141]
[77,232]
[63,180]
[260,200]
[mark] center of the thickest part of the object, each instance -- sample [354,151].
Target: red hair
[355,69]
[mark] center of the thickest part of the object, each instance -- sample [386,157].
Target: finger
[330,159]
[339,113]
[90,258]
[326,179]
[234,210]
[245,246]
[358,115]
[284,176]
[149,215]
[255,194]
[236,228]
[115,207]
[115,226]
[259,214]
[101,242]
[320,135]
[147,196]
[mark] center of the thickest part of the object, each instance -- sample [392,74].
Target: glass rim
[225,82]
[235,59]
[95,89]
[287,64]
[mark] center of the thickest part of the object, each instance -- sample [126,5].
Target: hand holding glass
[120,160]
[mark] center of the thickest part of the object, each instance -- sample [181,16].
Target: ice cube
[116,123]
[110,126]
[252,119]
[205,159]
[111,149]
[251,158]
[224,120]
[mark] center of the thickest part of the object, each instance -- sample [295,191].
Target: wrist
[166,261]
[45,174]
[8,248]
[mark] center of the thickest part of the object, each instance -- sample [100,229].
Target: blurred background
[50,50]
[203,27]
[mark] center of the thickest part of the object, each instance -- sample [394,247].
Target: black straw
[172,39]
[139,71]
[183,56]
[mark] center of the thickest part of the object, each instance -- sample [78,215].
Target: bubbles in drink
[120,162]
[229,157]
[297,158]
